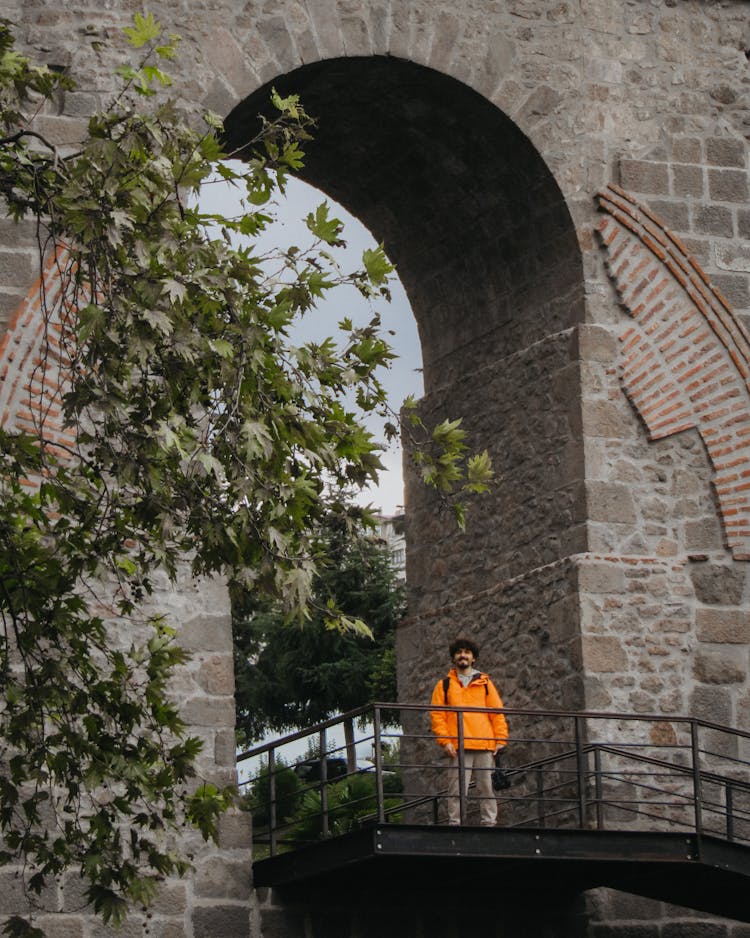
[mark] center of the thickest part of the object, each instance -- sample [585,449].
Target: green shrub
[258,800]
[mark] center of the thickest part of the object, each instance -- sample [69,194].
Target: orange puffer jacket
[481,730]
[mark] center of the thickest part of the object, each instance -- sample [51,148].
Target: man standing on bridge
[484,734]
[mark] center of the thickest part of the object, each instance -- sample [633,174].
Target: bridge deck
[703,873]
[588,800]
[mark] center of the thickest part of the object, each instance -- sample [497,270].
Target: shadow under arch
[488,255]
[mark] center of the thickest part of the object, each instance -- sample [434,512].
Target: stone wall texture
[608,569]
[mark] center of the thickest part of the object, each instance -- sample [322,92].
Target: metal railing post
[580,773]
[272,800]
[598,788]
[378,765]
[324,826]
[729,801]
[461,767]
[697,796]
[540,796]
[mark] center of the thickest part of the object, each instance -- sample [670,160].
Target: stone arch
[488,254]
[593,86]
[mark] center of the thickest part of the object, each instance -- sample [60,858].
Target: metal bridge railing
[572,770]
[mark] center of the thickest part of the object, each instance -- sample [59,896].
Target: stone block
[219,97]
[687,181]
[625,930]
[18,268]
[721,667]
[131,928]
[541,102]
[743,710]
[217,878]
[61,926]
[206,633]
[687,150]
[208,711]
[644,177]
[216,675]
[225,748]
[610,501]
[723,626]
[597,344]
[733,257]
[236,830]
[603,654]
[702,535]
[719,585]
[728,185]
[162,929]
[743,223]
[171,899]
[73,893]
[713,220]
[675,215]
[229,60]
[9,303]
[735,287]
[603,418]
[13,899]
[711,703]
[695,929]
[700,249]
[221,921]
[662,734]
[725,151]
[596,695]
[595,577]
[61,131]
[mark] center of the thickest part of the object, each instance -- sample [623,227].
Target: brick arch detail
[33,364]
[685,360]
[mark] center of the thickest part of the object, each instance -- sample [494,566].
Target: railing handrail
[301,734]
[585,714]
[507,711]
[652,777]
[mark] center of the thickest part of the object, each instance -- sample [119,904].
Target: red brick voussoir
[685,360]
[34,364]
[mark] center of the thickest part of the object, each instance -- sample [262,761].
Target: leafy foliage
[175,421]
[286,794]
[352,801]
[287,677]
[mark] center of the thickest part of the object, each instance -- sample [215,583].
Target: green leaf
[146,29]
[322,226]
[108,904]
[377,264]
[288,105]
[17,927]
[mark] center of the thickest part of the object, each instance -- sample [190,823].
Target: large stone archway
[473,139]
[487,251]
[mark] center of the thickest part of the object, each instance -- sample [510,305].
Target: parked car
[309,769]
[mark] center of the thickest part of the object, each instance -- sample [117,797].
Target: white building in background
[390,530]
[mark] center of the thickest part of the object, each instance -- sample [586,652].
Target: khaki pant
[479,762]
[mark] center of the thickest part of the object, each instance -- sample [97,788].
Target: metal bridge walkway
[652,805]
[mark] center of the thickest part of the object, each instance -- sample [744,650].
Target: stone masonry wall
[509,117]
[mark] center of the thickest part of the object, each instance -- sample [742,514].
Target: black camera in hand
[500,778]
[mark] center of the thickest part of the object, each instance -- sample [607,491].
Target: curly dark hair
[462,642]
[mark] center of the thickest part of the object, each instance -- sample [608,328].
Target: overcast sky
[404,376]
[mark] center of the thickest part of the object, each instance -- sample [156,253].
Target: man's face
[463,658]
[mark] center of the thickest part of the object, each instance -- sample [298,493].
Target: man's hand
[451,750]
